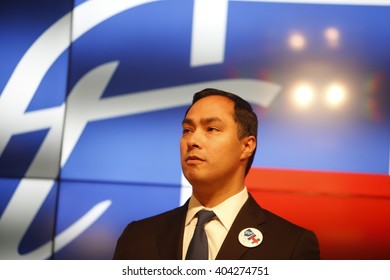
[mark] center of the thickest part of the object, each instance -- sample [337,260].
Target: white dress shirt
[217,228]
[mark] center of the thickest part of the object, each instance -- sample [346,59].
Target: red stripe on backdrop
[350,213]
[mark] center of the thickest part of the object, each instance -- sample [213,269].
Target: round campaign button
[250,237]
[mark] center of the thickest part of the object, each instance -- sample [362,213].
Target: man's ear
[249,145]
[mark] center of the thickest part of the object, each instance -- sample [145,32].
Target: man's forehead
[211,106]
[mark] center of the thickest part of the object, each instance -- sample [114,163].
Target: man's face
[210,149]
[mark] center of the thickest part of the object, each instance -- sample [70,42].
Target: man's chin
[195,178]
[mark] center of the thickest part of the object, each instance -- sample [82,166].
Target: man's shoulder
[284,239]
[148,228]
[275,220]
[142,238]
[283,223]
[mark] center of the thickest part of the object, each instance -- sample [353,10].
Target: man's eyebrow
[210,120]
[203,121]
[187,121]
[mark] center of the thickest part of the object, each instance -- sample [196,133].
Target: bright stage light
[297,41]
[335,95]
[303,95]
[332,37]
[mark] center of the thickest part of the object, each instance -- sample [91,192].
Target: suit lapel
[250,216]
[170,238]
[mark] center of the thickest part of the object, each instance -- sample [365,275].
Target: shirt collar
[225,211]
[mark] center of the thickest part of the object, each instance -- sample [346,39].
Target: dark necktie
[199,248]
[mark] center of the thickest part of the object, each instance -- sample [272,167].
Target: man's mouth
[193,160]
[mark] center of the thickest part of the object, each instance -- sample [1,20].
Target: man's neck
[210,196]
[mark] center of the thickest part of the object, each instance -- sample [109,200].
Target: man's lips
[193,160]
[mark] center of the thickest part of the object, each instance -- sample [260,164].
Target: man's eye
[186,130]
[211,129]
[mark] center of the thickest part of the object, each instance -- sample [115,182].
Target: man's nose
[194,140]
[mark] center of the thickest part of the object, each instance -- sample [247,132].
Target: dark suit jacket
[161,237]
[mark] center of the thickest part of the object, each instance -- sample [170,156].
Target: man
[217,150]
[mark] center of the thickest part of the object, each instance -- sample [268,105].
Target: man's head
[219,130]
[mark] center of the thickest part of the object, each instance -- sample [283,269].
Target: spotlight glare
[297,41]
[332,36]
[304,95]
[335,95]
